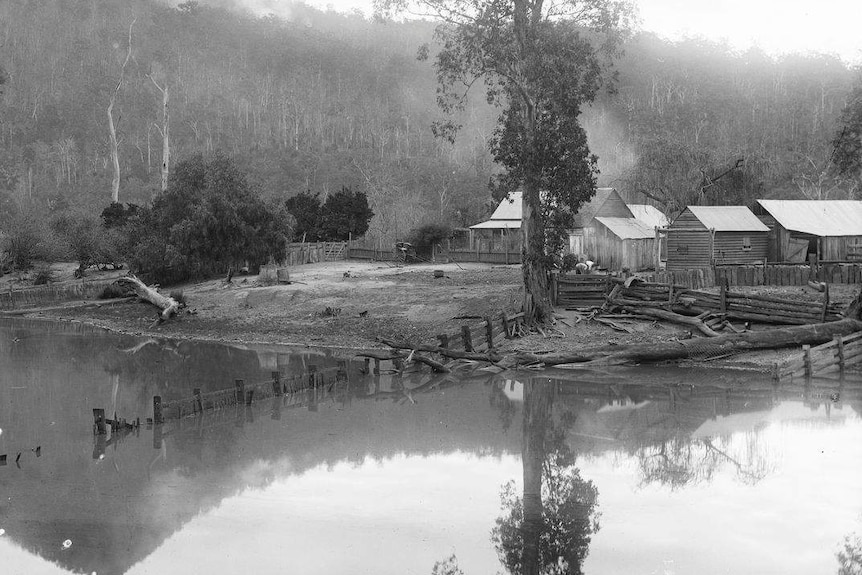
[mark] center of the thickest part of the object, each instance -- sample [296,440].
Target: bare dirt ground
[332,304]
[350,303]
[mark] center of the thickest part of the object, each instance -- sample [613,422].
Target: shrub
[425,237]
[209,219]
[569,262]
[43,274]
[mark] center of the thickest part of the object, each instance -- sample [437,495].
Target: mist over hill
[316,100]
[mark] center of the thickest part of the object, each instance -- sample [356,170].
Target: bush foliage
[209,219]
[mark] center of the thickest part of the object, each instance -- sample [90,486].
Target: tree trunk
[168,305]
[115,153]
[812,334]
[166,140]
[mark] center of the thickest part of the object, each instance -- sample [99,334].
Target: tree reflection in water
[850,556]
[547,529]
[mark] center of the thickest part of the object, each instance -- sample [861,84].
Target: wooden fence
[488,257]
[241,393]
[762,274]
[313,252]
[580,290]
[41,295]
[832,357]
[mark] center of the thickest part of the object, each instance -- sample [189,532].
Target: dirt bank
[350,303]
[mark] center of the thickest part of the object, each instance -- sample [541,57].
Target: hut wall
[688,247]
[728,247]
[842,248]
[613,253]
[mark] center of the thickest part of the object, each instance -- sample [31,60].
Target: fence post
[240,390]
[825,303]
[199,404]
[839,341]
[724,295]
[468,338]
[806,360]
[507,330]
[489,332]
[158,418]
[99,421]
[276,383]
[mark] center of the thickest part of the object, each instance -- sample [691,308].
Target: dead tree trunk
[164,130]
[168,305]
[113,142]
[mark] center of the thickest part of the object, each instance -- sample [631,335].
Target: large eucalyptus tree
[540,61]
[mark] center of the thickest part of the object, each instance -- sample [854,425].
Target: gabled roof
[817,217]
[508,213]
[507,216]
[509,208]
[627,228]
[650,215]
[591,209]
[728,218]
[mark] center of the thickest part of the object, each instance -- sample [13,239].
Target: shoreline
[345,305]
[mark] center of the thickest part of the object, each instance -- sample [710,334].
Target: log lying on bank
[168,305]
[813,334]
[672,317]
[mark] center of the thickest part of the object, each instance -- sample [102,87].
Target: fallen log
[812,334]
[168,305]
[434,365]
[673,317]
[489,356]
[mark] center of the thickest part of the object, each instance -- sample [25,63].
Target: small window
[746,243]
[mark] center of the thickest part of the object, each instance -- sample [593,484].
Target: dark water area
[665,471]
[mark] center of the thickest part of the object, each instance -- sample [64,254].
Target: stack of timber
[733,305]
[830,358]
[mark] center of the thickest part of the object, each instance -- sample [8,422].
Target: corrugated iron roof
[817,217]
[498,225]
[728,218]
[509,208]
[650,215]
[627,228]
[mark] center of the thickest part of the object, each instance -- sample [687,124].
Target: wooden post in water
[99,422]
[199,403]
[276,383]
[489,333]
[249,397]
[376,366]
[467,337]
[367,366]
[158,418]
[806,359]
[240,390]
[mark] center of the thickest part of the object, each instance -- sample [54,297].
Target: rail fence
[832,357]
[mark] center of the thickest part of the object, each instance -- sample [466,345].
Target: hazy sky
[777,26]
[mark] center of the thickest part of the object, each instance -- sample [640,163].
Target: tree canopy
[540,62]
[209,219]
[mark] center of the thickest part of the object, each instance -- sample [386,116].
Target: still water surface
[640,473]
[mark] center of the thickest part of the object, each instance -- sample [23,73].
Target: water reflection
[391,474]
[548,528]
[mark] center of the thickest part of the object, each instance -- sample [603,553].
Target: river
[637,471]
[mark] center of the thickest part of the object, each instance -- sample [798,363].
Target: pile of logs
[639,296]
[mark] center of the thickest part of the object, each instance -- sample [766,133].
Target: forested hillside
[325,100]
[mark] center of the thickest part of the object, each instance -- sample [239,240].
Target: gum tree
[540,61]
